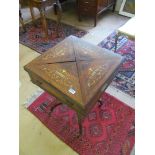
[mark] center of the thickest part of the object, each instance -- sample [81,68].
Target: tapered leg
[44,23]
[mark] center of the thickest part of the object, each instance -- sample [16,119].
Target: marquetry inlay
[76,70]
[95,75]
[57,51]
[61,76]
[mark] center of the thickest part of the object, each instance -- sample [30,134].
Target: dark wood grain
[94,7]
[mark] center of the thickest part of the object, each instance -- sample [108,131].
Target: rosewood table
[75,72]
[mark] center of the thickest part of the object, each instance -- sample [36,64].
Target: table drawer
[87,3]
[87,10]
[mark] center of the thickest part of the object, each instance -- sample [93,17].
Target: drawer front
[87,10]
[87,3]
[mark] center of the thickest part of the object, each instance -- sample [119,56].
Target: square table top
[78,69]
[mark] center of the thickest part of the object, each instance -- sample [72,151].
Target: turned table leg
[32,14]
[59,15]
[44,23]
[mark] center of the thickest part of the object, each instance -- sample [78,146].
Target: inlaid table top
[75,71]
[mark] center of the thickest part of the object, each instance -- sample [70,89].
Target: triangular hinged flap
[87,51]
[93,75]
[63,76]
[62,52]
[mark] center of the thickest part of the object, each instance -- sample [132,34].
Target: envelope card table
[75,72]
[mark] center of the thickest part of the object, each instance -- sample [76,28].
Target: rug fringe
[33,97]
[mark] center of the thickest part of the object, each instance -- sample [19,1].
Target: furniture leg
[59,15]
[78,12]
[95,20]
[55,8]
[32,13]
[44,23]
[53,107]
[80,124]
[116,39]
[21,21]
[59,11]
[113,9]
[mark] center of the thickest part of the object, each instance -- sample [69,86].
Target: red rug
[108,130]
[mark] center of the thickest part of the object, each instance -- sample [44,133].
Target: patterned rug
[125,79]
[34,36]
[108,130]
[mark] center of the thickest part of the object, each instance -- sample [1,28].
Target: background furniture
[127,29]
[41,5]
[21,18]
[75,72]
[94,7]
